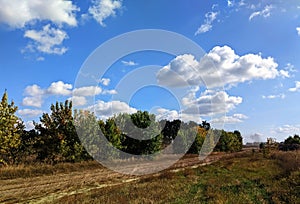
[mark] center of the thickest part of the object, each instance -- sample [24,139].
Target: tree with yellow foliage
[10,131]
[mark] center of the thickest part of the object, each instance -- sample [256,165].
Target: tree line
[65,135]
[291,143]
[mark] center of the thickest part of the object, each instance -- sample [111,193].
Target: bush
[289,161]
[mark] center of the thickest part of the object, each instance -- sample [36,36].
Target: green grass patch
[248,179]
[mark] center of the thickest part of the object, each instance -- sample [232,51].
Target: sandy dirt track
[52,187]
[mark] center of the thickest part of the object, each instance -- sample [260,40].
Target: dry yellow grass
[242,177]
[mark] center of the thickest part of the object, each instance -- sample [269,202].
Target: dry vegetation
[240,178]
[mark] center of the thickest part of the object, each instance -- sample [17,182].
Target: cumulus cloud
[162,113]
[33,101]
[30,112]
[87,91]
[60,88]
[210,103]
[288,129]
[78,100]
[105,81]
[105,110]
[48,40]
[129,63]
[296,88]
[266,12]
[210,17]
[17,14]
[220,67]
[35,95]
[284,73]
[33,90]
[282,96]
[235,118]
[298,30]
[29,125]
[103,9]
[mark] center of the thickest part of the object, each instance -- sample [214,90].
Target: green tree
[199,139]
[292,140]
[141,133]
[59,140]
[11,128]
[27,149]
[89,129]
[229,142]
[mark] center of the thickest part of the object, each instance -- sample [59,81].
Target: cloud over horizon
[220,67]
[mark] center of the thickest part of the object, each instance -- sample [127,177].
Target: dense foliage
[10,131]
[64,135]
[291,143]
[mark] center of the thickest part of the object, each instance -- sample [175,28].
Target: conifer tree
[10,130]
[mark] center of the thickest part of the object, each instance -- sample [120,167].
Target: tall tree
[59,140]
[140,133]
[10,130]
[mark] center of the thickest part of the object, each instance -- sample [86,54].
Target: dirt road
[49,188]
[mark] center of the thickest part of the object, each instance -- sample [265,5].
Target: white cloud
[296,88]
[105,81]
[235,118]
[291,68]
[34,94]
[34,101]
[298,30]
[210,17]
[105,110]
[282,96]
[162,113]
[30,112]
[230,3]
[39,59]
[29,125]
[59,88]
[129,63]
[203,28]
[284,73]
[288,129]
[87,91]
[220,67]
[103,9]
[33,90]
[48,40]
[78,100]
[109,92]
[210,103]
[17,14]
[266,12]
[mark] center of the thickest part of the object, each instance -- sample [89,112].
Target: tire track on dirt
[49,188]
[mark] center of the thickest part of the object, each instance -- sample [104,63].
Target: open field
[245,177]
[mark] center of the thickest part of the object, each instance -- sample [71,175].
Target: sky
[247,77]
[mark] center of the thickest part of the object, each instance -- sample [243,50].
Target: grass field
[236,178]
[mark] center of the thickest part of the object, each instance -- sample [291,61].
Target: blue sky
[253,45]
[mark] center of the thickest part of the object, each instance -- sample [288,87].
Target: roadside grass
[40,169]
[244,177]
[250,178]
